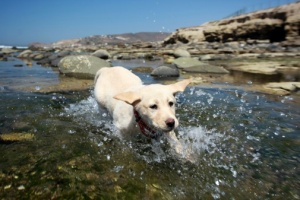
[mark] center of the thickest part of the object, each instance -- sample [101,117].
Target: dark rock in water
[81,66]
[55,62]
[101,53]
[63,54]
[18,65]
[43,61]
[165,71]
[53,56]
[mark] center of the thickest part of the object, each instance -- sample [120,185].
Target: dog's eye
[154,106]
[171,103]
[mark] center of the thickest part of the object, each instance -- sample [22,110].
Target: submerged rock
[16,137]
[143,69]
[81,66]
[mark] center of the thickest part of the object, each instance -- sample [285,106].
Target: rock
[270,25]
[208,57]
[206,68]
[25,53]
[16,137]
[55,62]
[268,68]
[185,62]
[289,86]
[101,53]
[7,51]
[38,56]
[63,54]
[81,66]
[181,53]
[147,70]
[165,71]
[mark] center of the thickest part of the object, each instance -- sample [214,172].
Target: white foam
[88,111]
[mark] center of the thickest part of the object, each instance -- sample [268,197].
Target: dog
[134,107]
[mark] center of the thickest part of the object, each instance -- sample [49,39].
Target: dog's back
[110,81]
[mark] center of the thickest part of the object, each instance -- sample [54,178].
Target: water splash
[89,112]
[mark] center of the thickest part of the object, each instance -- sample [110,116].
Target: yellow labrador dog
[134,107]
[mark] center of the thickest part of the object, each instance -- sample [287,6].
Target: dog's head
[156,104]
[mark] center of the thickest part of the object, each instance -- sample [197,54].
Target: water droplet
[217,182]
[234,173]
[100,144]
[71,131]
[21,187]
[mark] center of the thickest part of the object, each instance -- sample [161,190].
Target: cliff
[280,24]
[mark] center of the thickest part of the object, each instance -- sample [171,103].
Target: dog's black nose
[170,122]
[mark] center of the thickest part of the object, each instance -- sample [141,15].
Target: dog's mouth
[166,130]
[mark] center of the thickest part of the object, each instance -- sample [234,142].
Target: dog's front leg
[174,142]
[177,146]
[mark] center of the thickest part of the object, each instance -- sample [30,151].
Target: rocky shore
[259,51]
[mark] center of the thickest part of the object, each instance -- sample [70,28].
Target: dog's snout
[170,122]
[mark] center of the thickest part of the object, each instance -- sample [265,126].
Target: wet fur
[118,90]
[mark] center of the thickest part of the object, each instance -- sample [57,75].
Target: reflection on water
[245,145]
[24,76]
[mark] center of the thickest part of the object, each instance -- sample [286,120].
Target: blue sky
[47,21]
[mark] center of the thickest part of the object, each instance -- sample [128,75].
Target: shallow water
[244,145]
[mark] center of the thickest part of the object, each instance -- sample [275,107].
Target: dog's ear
[131,98]
[180,86]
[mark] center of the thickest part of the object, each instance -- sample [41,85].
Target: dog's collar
[145,129]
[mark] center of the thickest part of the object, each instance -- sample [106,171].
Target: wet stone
[16,137]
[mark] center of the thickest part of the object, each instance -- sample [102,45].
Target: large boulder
[81,66]
[165,71]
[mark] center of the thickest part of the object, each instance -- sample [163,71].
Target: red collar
[145,129]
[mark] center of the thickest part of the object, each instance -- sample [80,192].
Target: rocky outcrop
[280,24]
